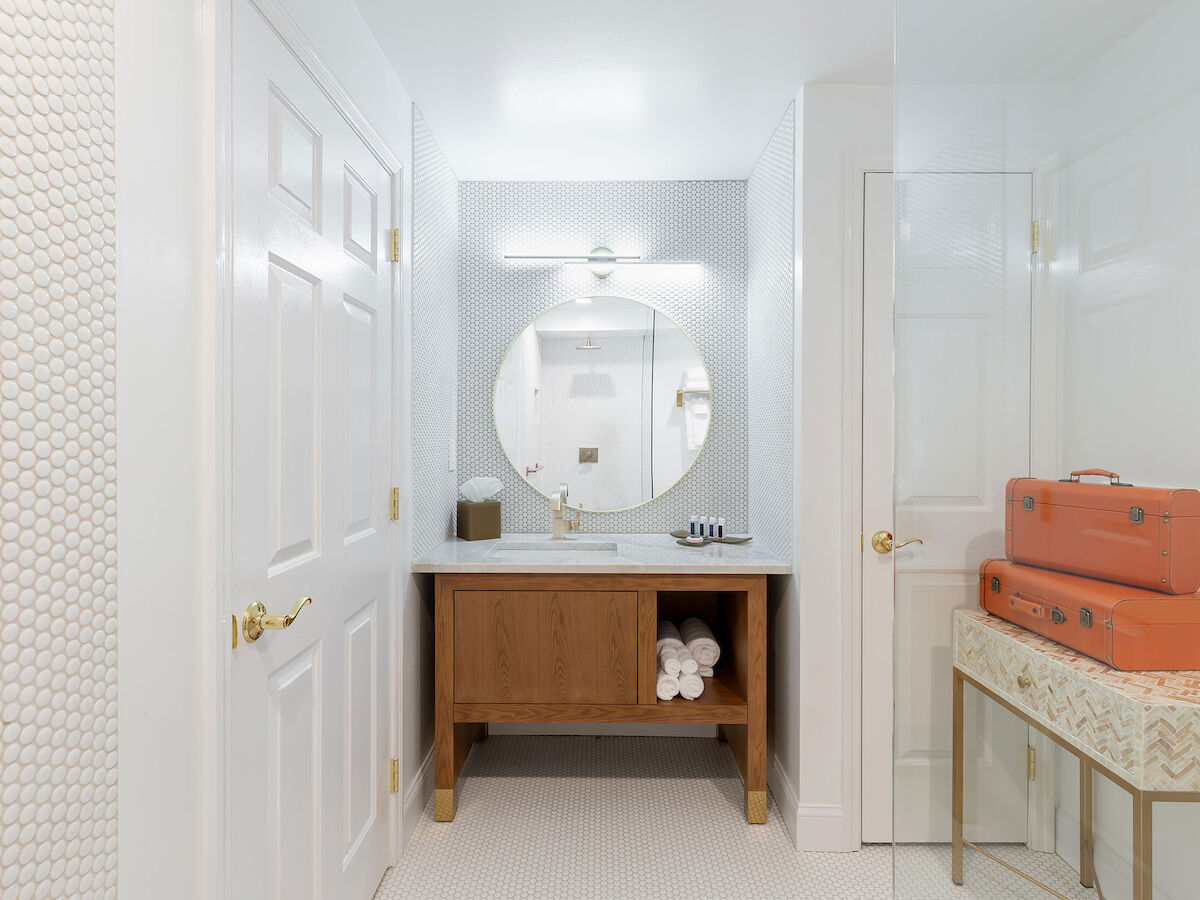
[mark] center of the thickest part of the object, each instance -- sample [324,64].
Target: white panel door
[953,358]
[311,385]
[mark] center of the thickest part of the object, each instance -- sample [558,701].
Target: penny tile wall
[58,592]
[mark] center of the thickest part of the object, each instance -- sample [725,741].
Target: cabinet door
[545,647]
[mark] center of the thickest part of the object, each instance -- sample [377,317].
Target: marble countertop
[648,554]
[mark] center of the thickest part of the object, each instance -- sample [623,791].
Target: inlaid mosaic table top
[1145,726]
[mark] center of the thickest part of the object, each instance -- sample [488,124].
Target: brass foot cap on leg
[443,804]
[756,807]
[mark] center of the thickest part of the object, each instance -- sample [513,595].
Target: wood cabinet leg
[747,631]
[756,704]
[451,742]
[1086,874]
[956,872]
[1143,845]
[444,770]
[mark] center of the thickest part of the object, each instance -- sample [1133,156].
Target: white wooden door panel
[949,342]
[361,764]
[311,368]
[294,802]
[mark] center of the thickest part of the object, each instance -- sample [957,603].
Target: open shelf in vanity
[580,647]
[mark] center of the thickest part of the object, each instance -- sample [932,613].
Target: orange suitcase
[1148,537]
[1129,629]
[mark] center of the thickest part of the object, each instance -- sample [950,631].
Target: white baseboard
[785,796]
[644,729]
[813,826]
[822,827]
[1113,868]
[416,796]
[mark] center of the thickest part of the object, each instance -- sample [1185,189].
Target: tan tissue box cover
[478,521]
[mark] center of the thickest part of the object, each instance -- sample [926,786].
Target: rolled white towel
[690,686]
[668,659]
[687,663]
[668,635]
[700,641]
[705,672]
[667,686]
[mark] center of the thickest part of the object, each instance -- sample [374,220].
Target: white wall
[165,279]
[835,121]
[171,633]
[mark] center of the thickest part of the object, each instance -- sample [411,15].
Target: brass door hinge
[394,246]
[393,776]
[1034,239]
[394,505]
[1031,763]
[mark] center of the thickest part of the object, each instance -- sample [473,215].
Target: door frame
[217,86]
[857,166]
[1042,422]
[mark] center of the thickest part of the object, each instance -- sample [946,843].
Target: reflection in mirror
[607,395]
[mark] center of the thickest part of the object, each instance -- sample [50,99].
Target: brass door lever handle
[257,620]
[883,543]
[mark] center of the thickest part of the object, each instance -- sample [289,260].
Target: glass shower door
[1046,319]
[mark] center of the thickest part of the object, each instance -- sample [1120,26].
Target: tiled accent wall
[770,226]
[58,592]
[678,220]
[435,233]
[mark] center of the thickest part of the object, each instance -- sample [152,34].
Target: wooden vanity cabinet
[545,647]
[582,648]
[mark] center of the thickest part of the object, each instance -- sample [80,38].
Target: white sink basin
[518,549]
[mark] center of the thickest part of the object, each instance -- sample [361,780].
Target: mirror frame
[712,402]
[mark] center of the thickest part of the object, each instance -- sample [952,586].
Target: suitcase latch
[1137,515]
[995,585]
[1085,618]
[1057,617]
[1028,504]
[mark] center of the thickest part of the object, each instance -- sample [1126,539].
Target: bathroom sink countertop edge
[649,554]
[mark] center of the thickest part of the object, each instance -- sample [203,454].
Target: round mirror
[607,395]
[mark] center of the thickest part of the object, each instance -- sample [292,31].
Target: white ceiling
[629,89]
[1009,42]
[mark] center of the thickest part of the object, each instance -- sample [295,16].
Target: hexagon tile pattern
[661,817]
[58,600]
[434,338]
[704,221]
[770,226]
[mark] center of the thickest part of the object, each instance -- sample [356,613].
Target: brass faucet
[558,502]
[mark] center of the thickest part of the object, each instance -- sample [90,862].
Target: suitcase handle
[1028,607]
[1113,477]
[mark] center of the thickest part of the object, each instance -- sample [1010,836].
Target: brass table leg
[1143,841]
[1086,875]
[957,852]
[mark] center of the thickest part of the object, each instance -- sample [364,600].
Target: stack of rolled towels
[686,656]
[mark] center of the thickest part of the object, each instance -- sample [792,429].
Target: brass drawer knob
[1024,682]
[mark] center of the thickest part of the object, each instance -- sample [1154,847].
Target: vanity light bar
[576,259]
[641,262]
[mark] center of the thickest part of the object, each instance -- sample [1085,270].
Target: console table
[1139,729]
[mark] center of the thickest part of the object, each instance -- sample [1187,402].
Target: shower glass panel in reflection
[1046,320]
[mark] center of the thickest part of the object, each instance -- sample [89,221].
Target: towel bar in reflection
[679,395]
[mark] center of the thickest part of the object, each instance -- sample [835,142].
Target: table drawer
[1100,722]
